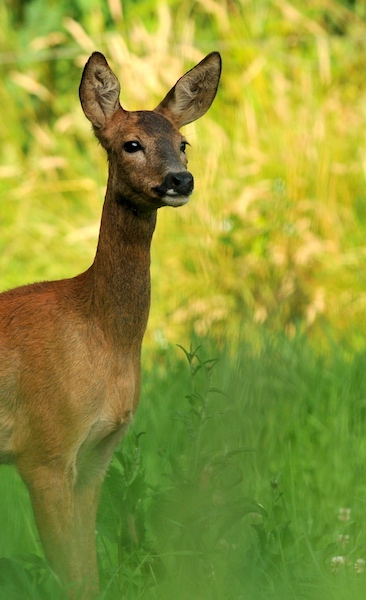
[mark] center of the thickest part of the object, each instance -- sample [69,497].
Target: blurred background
[275,232]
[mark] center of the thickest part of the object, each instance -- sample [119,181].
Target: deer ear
[193,93]
[99,91]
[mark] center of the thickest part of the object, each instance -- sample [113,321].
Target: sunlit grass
[275,230]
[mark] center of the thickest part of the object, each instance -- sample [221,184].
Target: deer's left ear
[193,93]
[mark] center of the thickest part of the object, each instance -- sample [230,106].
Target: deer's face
[147,159]
[146,152]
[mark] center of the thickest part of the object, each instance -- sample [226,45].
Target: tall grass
[275,230]
[239,479]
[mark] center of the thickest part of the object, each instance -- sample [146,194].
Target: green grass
[229,483]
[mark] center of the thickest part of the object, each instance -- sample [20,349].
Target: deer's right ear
[193,93]
[99,91]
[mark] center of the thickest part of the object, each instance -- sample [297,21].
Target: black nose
[180,184]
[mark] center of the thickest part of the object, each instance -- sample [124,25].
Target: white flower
[360,565]
[337,563]
[344,514]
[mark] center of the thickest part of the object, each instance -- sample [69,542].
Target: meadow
[243,474]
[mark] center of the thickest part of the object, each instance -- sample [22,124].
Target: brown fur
[70,350]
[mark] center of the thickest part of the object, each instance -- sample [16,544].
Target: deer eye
[132,147]
[183,146]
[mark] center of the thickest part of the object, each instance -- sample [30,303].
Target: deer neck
[120,274]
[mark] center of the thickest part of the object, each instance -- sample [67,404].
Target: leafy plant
[128,557]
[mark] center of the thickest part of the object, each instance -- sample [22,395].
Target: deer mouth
[172,198]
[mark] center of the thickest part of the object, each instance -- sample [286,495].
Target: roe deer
[70,350]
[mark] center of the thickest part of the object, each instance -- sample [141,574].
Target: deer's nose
[178,184]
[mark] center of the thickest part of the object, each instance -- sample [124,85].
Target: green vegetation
[241,478]
[275,231]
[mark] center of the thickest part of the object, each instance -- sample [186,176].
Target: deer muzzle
[176,188]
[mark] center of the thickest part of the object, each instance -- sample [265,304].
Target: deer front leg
[65,501]
[92,466]
[65,518]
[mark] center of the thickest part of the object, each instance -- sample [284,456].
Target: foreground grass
[240,479]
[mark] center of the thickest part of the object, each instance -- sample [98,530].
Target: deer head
[146,151]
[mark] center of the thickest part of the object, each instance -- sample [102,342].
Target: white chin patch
[173,199]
